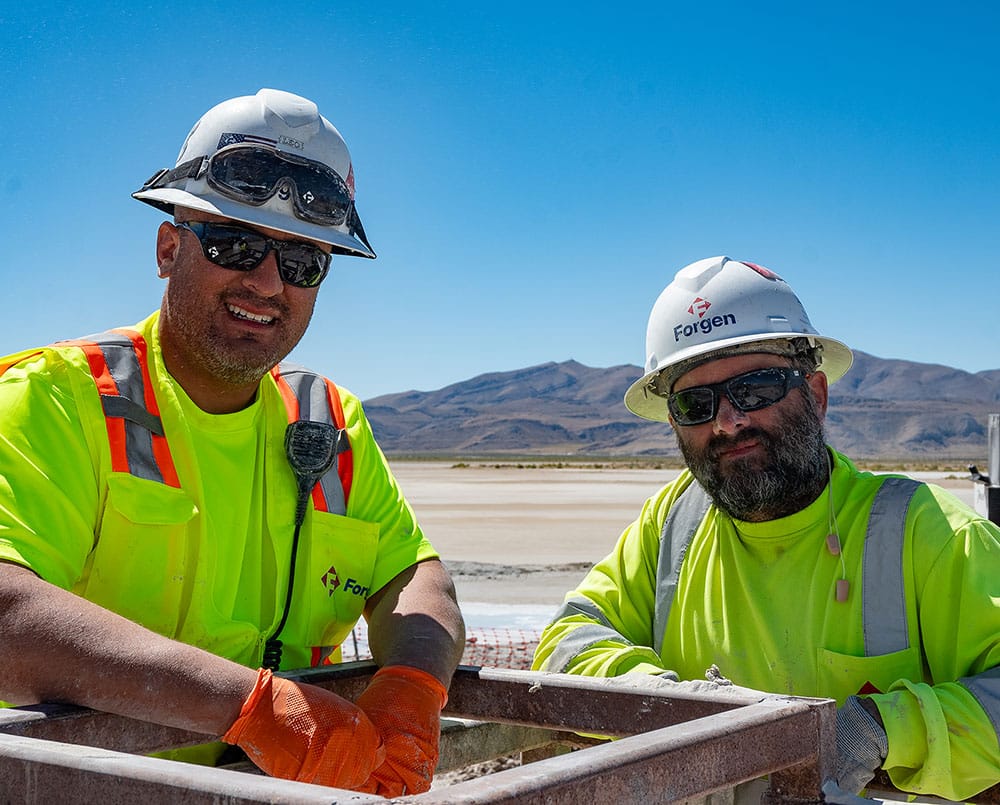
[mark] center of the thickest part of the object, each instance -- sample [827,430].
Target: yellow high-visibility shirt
[206,564]
[758,600]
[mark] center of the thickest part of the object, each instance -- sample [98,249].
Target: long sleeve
[605,626]
[943,731]
[757,599]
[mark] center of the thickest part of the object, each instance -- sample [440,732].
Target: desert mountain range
[881,409]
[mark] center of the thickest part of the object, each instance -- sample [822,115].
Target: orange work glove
[305,733]
[405,706]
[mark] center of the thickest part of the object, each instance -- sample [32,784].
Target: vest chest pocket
[333,580]
[142,565]
[843,675]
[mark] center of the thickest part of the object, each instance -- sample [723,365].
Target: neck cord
[843,587]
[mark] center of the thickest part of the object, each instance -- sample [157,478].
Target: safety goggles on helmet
[300,264]
[254,174]
[747,392]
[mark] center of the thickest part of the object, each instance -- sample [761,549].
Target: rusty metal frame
[680,742]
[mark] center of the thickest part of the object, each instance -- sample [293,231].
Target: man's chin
[727,466]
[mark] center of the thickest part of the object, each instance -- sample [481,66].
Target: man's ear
[168,242]
[821,391]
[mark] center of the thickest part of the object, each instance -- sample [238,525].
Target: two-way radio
[311,448]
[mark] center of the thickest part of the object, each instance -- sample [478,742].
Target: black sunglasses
[300,264]
[747,392]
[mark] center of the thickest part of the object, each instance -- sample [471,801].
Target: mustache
[722,443]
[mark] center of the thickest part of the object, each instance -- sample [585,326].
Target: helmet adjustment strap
[191,169]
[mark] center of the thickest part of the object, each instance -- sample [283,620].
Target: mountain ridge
[881,409]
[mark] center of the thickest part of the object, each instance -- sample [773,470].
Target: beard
[235,362]
[792,475]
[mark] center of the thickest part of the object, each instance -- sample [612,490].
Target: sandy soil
[527,536]
[513,535]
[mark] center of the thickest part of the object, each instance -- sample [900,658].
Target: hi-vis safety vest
[885,622]
[118,363]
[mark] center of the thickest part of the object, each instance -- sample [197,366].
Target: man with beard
[773,558]
[182,515]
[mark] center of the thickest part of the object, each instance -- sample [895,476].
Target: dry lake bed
[525,535]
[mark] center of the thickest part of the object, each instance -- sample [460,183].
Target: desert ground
[524,536]
[516,539]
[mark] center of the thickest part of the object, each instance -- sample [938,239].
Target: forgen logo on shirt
[331,581]
[704,324]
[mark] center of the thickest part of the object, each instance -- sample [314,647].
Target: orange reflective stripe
[345,461]
[117,428]
[323,655]
[293,407]
[161,450]
[287,395]
[319,499]
[106,385]
[291,402]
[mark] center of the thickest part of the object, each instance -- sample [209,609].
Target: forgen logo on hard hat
[705,323]
[700,306]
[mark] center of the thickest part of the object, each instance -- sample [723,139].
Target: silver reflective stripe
[578,605]
[581,637]
[883,597]
[678,529]
[314,405]
[986,688]
[130,404]
[310,389]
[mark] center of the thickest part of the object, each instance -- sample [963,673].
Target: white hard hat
[720,305]
[268,159]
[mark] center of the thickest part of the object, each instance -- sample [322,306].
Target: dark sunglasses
[747,392]
[300,264]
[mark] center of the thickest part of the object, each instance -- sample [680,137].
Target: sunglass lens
[692,406]
[758,389]
[241,249]
[301,265]
[233,248]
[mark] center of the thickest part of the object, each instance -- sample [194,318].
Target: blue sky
[531,174]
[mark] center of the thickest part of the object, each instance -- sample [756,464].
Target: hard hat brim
[166,198]
[836,360]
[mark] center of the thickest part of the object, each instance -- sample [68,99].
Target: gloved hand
[305,733]
[405,706]
[862,745]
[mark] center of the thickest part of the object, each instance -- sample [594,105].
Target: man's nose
[729,418]
[264,278]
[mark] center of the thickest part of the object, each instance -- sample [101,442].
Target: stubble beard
[238,364]
[236,367]
[789,479]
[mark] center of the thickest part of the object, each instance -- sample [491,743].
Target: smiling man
[774,558]
[178,507]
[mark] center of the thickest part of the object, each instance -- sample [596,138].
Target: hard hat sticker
[766,273]
[235,138]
